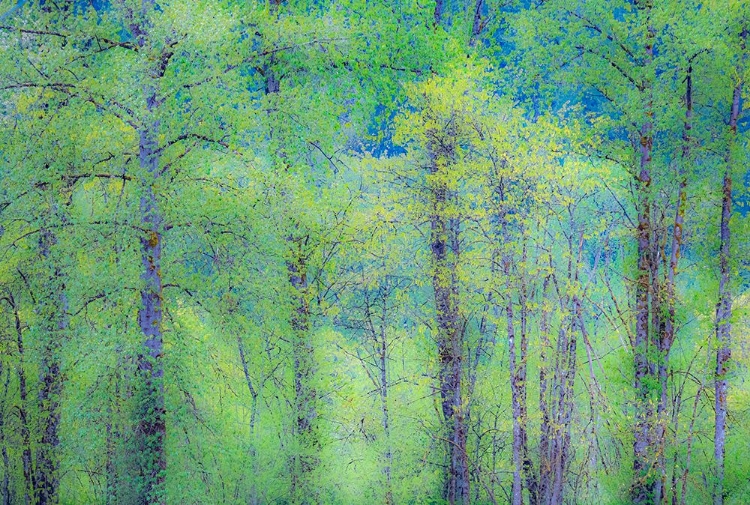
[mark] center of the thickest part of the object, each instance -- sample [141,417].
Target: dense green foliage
[355,252]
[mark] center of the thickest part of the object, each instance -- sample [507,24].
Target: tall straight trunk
[563,382]
[545,463]
[53,310]
[306,460]
[516,376]
[5,490]
[151,429]
[47,459]
[643,486]
[151,423]
[386,420]
[113,439]
[528,468]
[559,390]
[667,328]
[254,393]
[23,408]
[517,489]
[724,305]
[444,246]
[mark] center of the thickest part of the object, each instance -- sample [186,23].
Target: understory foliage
[356,252]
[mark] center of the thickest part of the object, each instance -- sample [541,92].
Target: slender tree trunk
[444,246]
[476,26]
[667,326]
[559,390]
[528,468]
[23,411]
[253,417]
[111,492]
[517,369]
[304,490]
[383,365]
[724,305]
[5,490]
[151,423]
[517,490]
[643,487]
[689,448]
[545,463]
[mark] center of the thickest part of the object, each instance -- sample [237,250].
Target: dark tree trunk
[5,490]
[306,461]
[47,460]
[724,305]
[438,12]
[53,310]
[667,326]
[444,246]
[477,25]
[29,488]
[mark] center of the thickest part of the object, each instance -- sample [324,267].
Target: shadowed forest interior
[374,252]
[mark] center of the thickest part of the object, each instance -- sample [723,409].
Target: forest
[357,252]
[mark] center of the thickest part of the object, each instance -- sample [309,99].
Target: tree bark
[643,487]
[516,378]
[444,246]
[528,468]
[476,26]
[545,462]
[151,421]
[306,460]
[383,365]
[5,489]
[438,12]
[53,310]
[724,305]
[29,489]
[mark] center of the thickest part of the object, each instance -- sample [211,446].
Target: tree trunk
[53,310]
[383,365]
[29,489]
[517,490]
[438,12]
[724,305]
[444,246]
[47,459]
[305,462]
[5,489]
[253,417]
[516,377]
[545,462]
[151,423]
[643,487]
[528,468]
[476,26]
